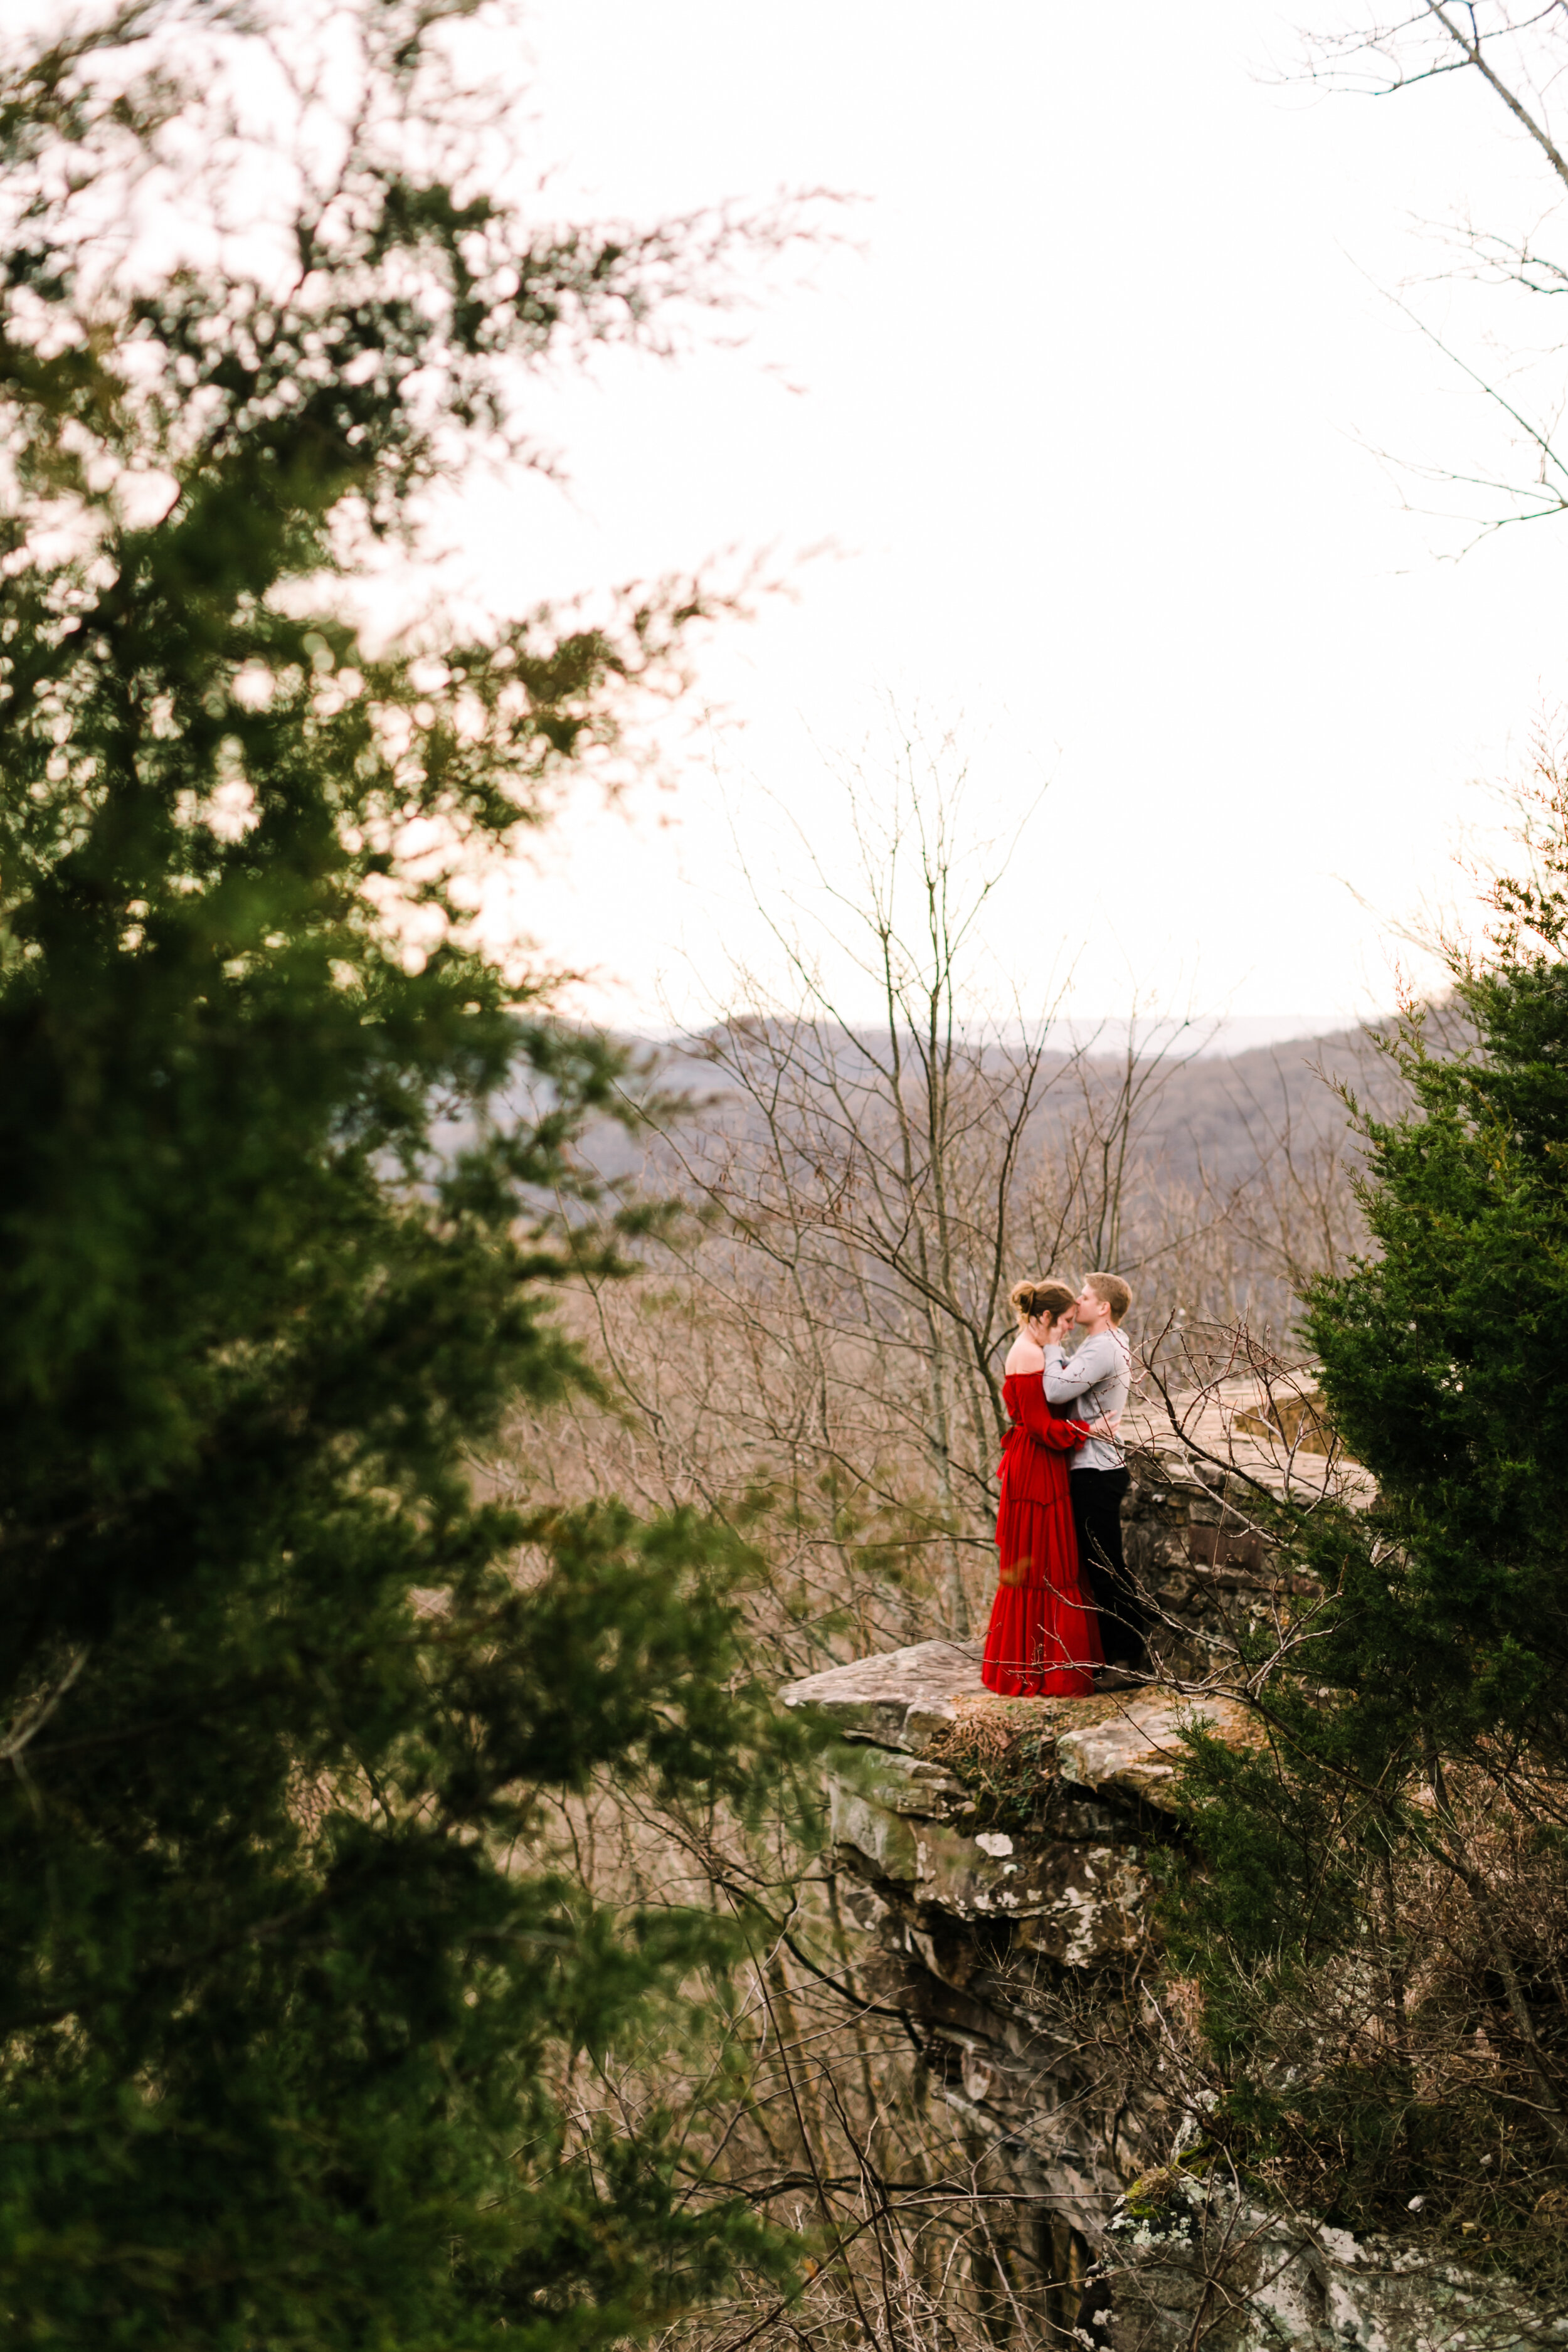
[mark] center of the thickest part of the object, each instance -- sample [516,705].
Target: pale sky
[1086,417]
[1087,414]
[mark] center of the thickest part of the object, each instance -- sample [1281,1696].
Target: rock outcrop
[997,1857]
[1208,2268]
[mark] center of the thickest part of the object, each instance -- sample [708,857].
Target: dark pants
[1097,1515]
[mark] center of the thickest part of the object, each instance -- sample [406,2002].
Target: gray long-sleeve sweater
[1094,1380]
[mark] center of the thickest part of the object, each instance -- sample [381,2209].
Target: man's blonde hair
[1112,1291]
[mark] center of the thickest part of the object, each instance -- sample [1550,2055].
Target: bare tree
[1516,57]
[885,1182]
[821,1343]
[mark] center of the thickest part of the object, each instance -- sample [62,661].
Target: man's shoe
[1118,1678]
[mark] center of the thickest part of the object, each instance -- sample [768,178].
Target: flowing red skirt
[1042,1642]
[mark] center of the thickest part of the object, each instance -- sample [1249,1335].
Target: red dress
[1043,1640]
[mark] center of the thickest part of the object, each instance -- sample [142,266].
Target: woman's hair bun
[1048,1299]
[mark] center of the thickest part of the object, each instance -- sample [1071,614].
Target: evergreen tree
[1417,1730]
[283,1997]
[1443,1350]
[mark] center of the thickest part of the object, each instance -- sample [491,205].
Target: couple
[1065,1606]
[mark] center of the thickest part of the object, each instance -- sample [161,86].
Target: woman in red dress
[1042,1640]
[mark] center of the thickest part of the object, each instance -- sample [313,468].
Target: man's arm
[1035,1418]
[1094,1359]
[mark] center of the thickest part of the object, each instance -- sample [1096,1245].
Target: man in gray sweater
[1091,1382]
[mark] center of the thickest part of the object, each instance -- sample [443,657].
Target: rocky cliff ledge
[997,1858]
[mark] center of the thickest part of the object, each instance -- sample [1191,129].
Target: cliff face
[1015,1951]
[998,1860]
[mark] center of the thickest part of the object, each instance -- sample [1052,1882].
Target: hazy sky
[1089,415]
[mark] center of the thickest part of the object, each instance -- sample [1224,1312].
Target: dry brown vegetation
[776,1362]
[821,1338]
[813,1353]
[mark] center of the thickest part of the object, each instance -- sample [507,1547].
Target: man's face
[1090,1312]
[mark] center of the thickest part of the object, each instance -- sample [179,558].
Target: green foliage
[287,1177]
[1443,1358]
[1379,1892]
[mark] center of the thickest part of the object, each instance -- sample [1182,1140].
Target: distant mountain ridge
[1208,1113]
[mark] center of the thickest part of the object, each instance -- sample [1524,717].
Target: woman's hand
[1106,1426]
